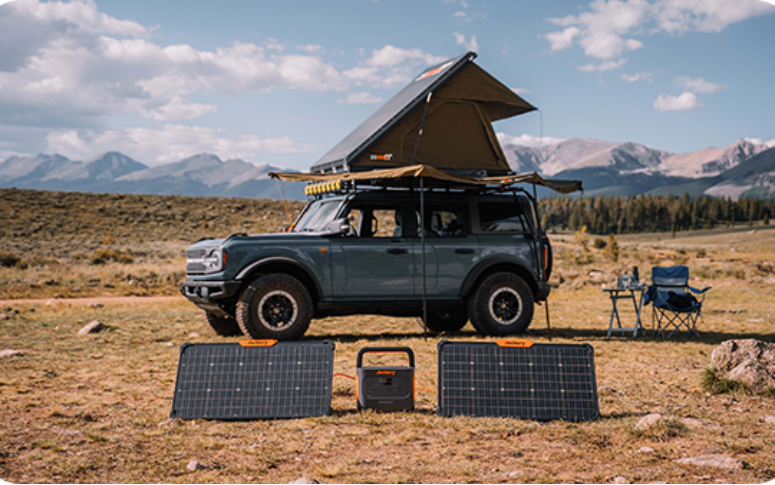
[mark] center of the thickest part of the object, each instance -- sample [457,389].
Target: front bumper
[210,296]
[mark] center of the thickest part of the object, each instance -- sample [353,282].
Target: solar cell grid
[542,382]
[231,382]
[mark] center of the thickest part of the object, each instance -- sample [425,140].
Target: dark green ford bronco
[360,252]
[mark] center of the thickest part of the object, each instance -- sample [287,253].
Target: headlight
[213,260]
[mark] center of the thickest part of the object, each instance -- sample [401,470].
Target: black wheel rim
[277,310]
[505,306]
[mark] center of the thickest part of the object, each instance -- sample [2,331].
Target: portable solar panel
[254,379]
[517,378]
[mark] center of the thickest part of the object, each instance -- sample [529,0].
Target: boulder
[648,421]
[304,480]
[94,327]
[749,361]
[715,461]
[768,420]
[195,465]
[9,353]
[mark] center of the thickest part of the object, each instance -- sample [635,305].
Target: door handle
[397,251]
[464,251]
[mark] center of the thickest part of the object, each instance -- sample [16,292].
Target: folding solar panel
[261,379]
[517,379]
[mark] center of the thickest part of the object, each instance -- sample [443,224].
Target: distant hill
[632,168]
[743,169]
[200,175]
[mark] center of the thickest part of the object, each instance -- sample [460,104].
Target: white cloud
[563,39]
[638,76]
[683,102]
[521,90]
[459,14]
[469,44]
[178,109]
[311,48]
[602,29]
[698,85]
[390,56]
[527,140]
[171,143]
[603,66]
[360,98]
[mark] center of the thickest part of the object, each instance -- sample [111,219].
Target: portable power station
[385,388]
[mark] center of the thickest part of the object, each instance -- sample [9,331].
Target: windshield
[317,215]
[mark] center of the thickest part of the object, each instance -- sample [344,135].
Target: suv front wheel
[275,306]
[501,305]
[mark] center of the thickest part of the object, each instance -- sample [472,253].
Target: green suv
[360,252]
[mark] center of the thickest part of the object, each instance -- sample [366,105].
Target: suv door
[451,250]
[376,260]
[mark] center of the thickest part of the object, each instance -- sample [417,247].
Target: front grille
[195,268]
[195,253]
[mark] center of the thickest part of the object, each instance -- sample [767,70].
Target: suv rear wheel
[501,305]
[275,306]
[225,327]
[441,321]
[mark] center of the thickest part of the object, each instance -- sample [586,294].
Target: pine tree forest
[646,213]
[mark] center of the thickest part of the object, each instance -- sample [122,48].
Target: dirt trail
[96,299]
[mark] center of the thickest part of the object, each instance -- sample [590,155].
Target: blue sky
[282,82]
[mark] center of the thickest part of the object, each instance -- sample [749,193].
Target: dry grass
[89,409]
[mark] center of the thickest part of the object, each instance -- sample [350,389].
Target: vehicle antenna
[422,222]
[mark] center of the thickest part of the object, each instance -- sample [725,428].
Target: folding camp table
[634,293]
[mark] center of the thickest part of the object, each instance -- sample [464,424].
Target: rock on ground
[768,419]
[305,480]
[94,327]
[749,361]
[645,449]
[4,316]
[195,465]
[715,461]
[94,304]
[620,479]
[648,421]
[9,353]
[193,335]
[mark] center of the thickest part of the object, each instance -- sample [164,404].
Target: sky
[282,82]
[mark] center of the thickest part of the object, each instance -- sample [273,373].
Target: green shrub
[9,260]
[717,384]
[599,243]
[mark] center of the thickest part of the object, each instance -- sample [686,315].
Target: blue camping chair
[674,307]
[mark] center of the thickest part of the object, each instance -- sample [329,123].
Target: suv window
[317,215]
[444,222]
[502,217]
[370,221]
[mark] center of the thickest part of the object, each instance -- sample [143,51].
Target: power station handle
[384,350]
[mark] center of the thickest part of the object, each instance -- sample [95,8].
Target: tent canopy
[457,134]
[401,177]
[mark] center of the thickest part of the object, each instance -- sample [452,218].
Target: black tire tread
[225,327]
[477,305]
[274,281]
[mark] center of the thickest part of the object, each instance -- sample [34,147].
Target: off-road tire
[439,322]
[225,327]
[501,305]
[289,291]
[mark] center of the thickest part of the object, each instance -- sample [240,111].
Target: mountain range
[743,169]
[199,175]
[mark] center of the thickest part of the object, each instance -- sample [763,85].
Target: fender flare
[247,270]
[485,265]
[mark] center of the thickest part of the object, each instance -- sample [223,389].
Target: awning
[401,175]
[457,134]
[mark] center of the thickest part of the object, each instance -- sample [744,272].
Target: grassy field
[95,408]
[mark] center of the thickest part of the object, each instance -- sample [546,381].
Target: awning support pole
[540,258]
[422,222]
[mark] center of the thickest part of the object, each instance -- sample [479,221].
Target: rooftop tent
[457,135]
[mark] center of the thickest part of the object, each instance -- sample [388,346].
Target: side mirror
[337,227]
